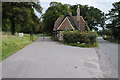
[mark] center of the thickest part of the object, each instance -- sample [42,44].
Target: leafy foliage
[52,13]
[81,37]
[93,16]
[20,17]
[114,17]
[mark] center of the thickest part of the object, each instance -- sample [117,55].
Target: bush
[107,32]
[111,39]
[116,33]
[77,36]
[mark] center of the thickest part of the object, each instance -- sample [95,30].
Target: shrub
[107,32]
[77,36]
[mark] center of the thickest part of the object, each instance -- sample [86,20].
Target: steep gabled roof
[57,22]
[66,24]
[82,21]
[72,19]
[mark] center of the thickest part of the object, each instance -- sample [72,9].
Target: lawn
[90,45]
[11,44]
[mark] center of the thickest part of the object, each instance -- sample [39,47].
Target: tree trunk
[12,26]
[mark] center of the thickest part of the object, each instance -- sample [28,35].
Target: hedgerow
[79,37]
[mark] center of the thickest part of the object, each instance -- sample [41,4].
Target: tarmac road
[50,59]
[110,49]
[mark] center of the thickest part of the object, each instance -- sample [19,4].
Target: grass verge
[11,44]
[0,48]
[90,45]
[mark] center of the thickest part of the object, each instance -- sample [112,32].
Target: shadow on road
[44,39]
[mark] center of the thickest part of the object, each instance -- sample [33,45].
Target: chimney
[78,16]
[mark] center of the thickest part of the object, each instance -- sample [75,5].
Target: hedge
[79,37]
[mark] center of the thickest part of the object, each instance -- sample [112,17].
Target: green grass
[11,44]
[90,45]
[0,49]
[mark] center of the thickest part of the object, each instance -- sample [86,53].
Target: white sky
[103,5]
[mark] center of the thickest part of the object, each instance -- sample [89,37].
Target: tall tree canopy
[92,16]
[55,10]
[114,17]
[20,16]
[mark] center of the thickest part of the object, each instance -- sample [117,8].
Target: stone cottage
[69,22]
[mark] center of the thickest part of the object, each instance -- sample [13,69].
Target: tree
[93,16]
[52,13]
[19,16]
[114,17]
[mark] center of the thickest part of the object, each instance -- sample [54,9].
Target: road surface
[110,49]
[110,52]
[50,59]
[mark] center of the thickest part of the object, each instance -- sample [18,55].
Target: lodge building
[69,22]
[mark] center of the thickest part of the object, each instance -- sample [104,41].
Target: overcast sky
[103,5]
